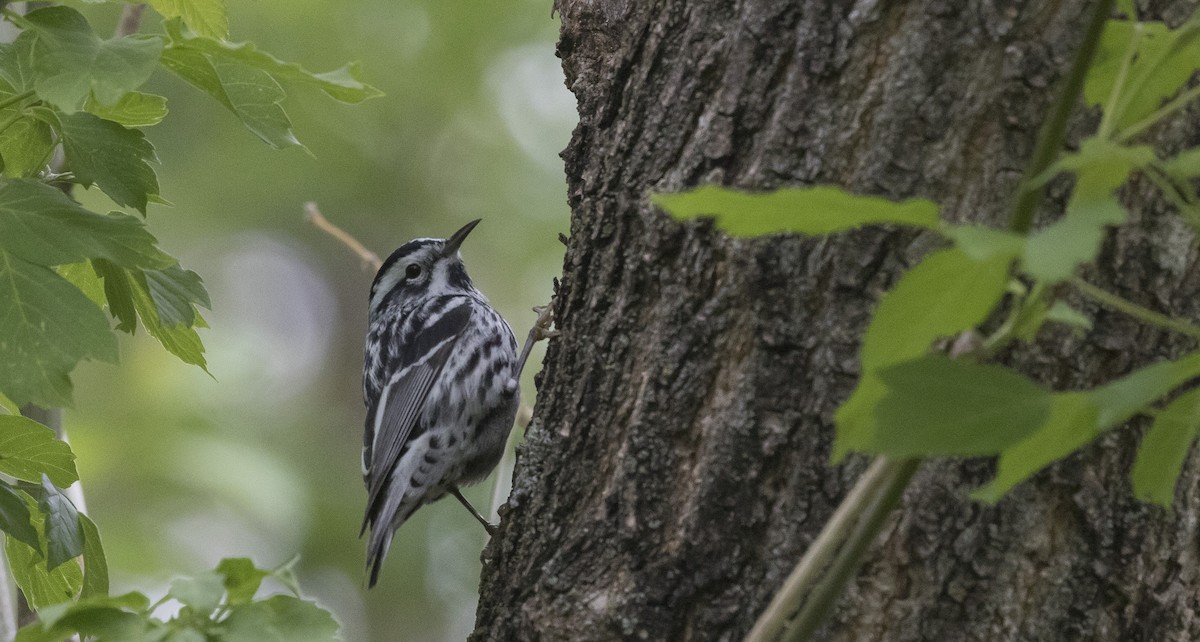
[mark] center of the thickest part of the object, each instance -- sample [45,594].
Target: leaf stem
[1146,315]
[1109,117]
[832,560]
[1054,130]
[16,98]
[1179,102]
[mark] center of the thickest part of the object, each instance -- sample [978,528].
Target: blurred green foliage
[262,460]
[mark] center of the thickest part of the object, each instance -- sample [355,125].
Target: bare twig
[370,260]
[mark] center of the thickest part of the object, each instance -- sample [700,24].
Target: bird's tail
[383,522]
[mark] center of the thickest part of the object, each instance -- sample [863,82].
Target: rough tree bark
[676,467]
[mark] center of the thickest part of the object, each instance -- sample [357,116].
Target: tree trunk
[677,465]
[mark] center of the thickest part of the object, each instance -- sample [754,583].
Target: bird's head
[422,268]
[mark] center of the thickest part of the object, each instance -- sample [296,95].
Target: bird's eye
[412,271]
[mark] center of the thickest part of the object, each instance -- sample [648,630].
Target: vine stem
[1054,131]
[808,596]
[1108,299]
[834,557]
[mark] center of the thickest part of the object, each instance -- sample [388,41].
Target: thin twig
[369,259]
[1108,299]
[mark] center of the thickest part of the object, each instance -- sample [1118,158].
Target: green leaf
[134,109]
[40,224]
[95,564]
[179,340]
[175,292]
[281,618]
[70,61]
[42,588]
[984,243]
[82,276]
[1164,449]
[936,405]
[806,210]
[343,84]
[1107,161]
[100,619]
[251,94]
[205,17]
[29,450]
[14,517]
[1053,253]
[47,326]
[118,293]
[202,593]
[25,145]
[943,295]
[242,579]
[16,63]
[64,535]
[1158,48]
[1077,418]
[1072,424]
[114,158]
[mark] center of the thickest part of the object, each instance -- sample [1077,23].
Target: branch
[130,21]
[369,259]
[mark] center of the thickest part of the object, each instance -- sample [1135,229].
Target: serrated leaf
[251,94]
[281,618]
[40,224]
[27,564]
[341,84]
[64,534]
[205,17]
[82,276]
[25,145]
[113,157]
[805,210]
[180,340]
[95,564]
[1077,418]
[29,450]
[134,109]
[70,61]
[1053,253]
[118,293]
[202,593]
[46,327]
[936,405]
[175,292]
[16,63]
[14,517]
[242,579]
[1164,449]
[943,295]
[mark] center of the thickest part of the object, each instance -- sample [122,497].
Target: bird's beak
[456,239]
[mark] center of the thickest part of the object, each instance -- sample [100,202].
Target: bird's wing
[391,419]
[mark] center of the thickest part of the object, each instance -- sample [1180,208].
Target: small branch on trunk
[369,259]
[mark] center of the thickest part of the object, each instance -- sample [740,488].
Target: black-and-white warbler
[440,384]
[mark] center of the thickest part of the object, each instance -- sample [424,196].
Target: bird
[440,383]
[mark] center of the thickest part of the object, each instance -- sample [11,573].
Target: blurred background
[262,460]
